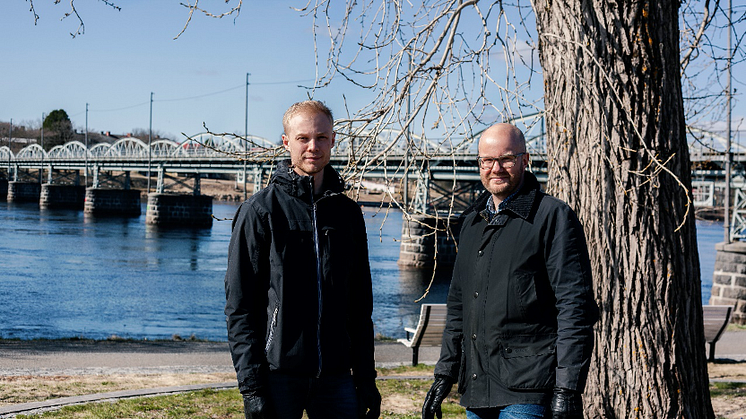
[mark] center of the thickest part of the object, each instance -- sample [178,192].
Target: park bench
[716,319]
[429,330]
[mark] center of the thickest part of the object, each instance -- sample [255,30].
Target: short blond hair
[314,106]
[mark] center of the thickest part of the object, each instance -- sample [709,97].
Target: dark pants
[322,398]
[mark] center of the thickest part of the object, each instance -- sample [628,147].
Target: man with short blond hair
[298,286]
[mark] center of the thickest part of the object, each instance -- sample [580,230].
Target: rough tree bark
[618,154]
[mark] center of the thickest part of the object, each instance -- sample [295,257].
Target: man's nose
[497,167]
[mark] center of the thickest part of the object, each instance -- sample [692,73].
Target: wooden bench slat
[715,321]
[429,331]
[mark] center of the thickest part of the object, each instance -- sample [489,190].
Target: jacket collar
[520,204]
[302,186]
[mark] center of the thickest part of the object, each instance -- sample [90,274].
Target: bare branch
[195,7]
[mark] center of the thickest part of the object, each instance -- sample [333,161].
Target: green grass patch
[420,369]
[197,405]
[727,389]
[402,400]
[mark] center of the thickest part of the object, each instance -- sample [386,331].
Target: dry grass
[402,398]
[26,388]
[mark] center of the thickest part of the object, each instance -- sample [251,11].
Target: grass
[727,389]
[402,398]
[732,327]
[197,404]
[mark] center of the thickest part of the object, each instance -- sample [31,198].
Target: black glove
[438,392]
[567,404]
[256,405]
[368,400]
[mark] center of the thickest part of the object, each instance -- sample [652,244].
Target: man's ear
[285,142]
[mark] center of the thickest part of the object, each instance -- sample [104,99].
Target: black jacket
[520,306]
[298,286]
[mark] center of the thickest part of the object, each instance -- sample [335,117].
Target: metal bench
[429,330]
[716,319]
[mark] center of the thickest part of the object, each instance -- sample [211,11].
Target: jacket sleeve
[569,272]
[449,363]
[246,285]
[362,336]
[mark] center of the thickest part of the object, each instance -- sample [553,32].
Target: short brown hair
[305,106]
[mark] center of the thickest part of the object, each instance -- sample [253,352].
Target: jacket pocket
[528,363]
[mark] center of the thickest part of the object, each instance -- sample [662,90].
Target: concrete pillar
[62,196]
[179,210]
[24,191]
[117,202]
[3,189]
[729,279]
[418,241]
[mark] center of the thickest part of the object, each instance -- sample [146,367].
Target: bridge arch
[71,150]
[6,153]
[33,152]
[165,148]
[128,147]
[213,144]
[99,150]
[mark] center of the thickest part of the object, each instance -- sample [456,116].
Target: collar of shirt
[490,212]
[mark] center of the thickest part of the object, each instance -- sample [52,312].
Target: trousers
[331,397]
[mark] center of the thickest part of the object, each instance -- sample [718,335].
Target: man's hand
[438,392]
[257,406]
[368,400]
[566,404]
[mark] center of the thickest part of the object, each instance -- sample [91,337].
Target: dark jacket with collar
[520,306]
[298,285]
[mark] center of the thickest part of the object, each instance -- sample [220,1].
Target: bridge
[251,160]
[435,169]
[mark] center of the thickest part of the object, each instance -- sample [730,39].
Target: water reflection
[173,245]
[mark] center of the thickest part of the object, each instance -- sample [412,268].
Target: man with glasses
[518,336]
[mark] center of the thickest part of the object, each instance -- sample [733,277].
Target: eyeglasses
[506,162]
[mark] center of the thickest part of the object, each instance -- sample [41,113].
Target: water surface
[64,274]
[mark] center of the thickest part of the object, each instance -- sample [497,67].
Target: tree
[58,128]
[617,136]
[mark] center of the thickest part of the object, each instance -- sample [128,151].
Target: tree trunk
[617,153]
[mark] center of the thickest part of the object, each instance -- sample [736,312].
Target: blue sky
[125,55]
[199,78]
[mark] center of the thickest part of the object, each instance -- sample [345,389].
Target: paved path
[105,357]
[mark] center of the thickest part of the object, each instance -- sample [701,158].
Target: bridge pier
[418,241]
[179,210]
[24,191]
[62,196]
[3,189]
[112,202]
[729,279]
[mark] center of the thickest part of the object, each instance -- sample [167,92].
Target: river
[67,275]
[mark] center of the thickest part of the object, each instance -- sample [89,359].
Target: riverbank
[227,190]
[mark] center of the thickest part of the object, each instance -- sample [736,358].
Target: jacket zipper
[272,327]
[317,249]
